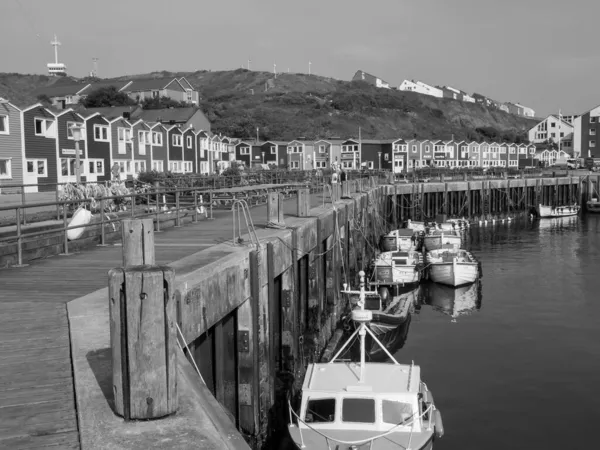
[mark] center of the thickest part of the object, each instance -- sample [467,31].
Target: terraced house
[11,147]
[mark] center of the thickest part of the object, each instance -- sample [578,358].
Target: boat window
[320,410]
[396,412]
[360,410]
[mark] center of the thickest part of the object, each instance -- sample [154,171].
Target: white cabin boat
[345,405]
[402,240]
[452,266]
[557,211]
[593,205]
[392,269]
[437,238]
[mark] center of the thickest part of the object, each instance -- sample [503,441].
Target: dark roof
[149,84]
[60,90]
[104,84]
[110,112]
[179,115]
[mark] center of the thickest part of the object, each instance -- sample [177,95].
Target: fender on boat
[438,425]
[427,396]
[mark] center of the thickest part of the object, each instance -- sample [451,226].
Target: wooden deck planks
[37,405]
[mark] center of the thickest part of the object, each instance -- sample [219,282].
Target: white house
[420,88]
[527,112]
[551,129]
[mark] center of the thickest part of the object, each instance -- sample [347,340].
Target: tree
[162,102]
[43,98]
[107,96]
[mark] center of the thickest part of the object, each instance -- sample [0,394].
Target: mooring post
[303,202]
[142,328]
[345,189]
[275,209]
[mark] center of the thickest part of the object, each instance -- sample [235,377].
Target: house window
[532,151]
[294,149]
[592,143]
[426,148]
[5,168]
[349,148]
[244,150]
[177,140]
[187,167]
[553,125]
[176,166]
[155,94]
[370,164]
[414,149]
[512,150]
[188,141]
[321,149]
[475,150]
[592,119]
[96,166]
[592,132]
[3,124]
[101,133]
[139,166]
[44,127]
[38,167]
[67,166]
[124,135]
[503,150]
[294,164]
[70,126]
[189,95]
[142,137]
[158,166]
[273,150]
[386,157]
[157,138]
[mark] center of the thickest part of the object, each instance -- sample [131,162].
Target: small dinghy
[370,405]
[452,266]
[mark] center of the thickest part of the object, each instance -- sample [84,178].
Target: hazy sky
[540,53]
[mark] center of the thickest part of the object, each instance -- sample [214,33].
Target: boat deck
[37,404]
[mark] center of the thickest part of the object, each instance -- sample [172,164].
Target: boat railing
[410,421]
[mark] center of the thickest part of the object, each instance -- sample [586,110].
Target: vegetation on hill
[292,105]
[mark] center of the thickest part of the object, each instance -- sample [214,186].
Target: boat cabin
[447,254]
[333,399]
[403,239]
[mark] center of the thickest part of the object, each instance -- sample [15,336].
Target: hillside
[299,105]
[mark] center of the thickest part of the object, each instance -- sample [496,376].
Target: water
[523,370]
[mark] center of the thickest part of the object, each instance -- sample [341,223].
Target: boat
[593,205]
[416,226]
[388,316]
[452,266]
[378,405]
[453,301]
[76,227]
[391,270]
[437,238]
[403,240]
[392,340]
[557,211]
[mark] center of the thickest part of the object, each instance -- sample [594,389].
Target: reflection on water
[453,301]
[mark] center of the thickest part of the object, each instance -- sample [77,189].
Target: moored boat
[452,266]
[378,405]
[557,211]
[438,238]
[403,240]
[593,205]
[396,269]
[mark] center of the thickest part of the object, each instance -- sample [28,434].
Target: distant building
[179,90]
[56,68]
[483,100]
[456,94]
[184,117]
[420,88]
[570,118]
[520,110]
[586,132]
[552,129]
[371,79]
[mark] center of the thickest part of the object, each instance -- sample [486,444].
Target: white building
[527,112]
[551,129]
[420,88]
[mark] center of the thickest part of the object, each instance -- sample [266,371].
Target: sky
[538,53]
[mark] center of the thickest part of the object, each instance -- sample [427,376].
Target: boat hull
[388,276]
[558,211]
[453,273]
[436,242]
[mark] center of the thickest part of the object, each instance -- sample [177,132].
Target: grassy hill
[298,105]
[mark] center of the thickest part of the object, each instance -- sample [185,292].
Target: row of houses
[38,146]
[420,87]
[398,155]
[66,93]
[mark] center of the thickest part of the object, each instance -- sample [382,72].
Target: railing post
[19,241]
[23,201]
[195,219]
[102,237]
[144,346]
[65,225]
[210,199]
[177,215]
[57,205]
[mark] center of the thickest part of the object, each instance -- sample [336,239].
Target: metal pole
[23,200]
[77,163]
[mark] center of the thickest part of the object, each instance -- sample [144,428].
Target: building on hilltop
[371,79]
[519,110]
[179,90]
[456,94]
[420,88]
[56,68]
[183,117]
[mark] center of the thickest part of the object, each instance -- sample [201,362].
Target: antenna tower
[55,44]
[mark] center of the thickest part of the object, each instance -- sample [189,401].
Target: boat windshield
[320,410]
[396,412]
[358,410]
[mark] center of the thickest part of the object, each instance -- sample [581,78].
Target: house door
[31,176]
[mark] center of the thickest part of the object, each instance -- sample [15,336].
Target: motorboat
[378,405]
[593,205]
[452,266]
[395,269]
[557,211]
[438,238]
[403,240]
[453,301]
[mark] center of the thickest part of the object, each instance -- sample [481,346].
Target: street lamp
[76,132]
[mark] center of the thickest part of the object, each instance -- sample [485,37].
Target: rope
[188,352]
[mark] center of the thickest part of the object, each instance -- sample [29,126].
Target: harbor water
[516,365]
